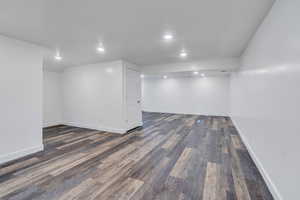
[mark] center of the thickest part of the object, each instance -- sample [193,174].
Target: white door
[133,99]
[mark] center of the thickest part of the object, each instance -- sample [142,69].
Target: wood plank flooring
[173,157]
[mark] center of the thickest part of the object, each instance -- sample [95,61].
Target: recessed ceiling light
[58,57]
[168,37]
[196,73]
[142,75]
[101,48]
[183,54]
[165,77]
[202,75]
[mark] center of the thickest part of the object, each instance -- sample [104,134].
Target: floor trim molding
[20,154]
[54,126]
[100,128]
[188,113]
[273,189]
[136,125]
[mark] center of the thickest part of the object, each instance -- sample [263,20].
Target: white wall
[20,98]
[93,96]
[265,98]
[188,95]
[52,98]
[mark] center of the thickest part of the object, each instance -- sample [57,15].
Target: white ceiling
[133,29]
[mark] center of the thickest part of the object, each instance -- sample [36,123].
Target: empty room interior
[149,100]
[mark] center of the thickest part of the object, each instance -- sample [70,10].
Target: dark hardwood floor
[172,157]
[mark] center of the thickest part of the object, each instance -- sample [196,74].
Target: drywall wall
[52,98]
[21,98]
[265,99]
[93,96]
[188,95]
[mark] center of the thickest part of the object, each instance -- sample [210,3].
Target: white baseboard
[20,154]
[52,125]
[97,127]
[45,125]
[273,189]
[135,126]
[112,130]
[188,113]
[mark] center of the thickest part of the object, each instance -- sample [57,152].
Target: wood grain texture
[172,157]
[211,182]
[179,169]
